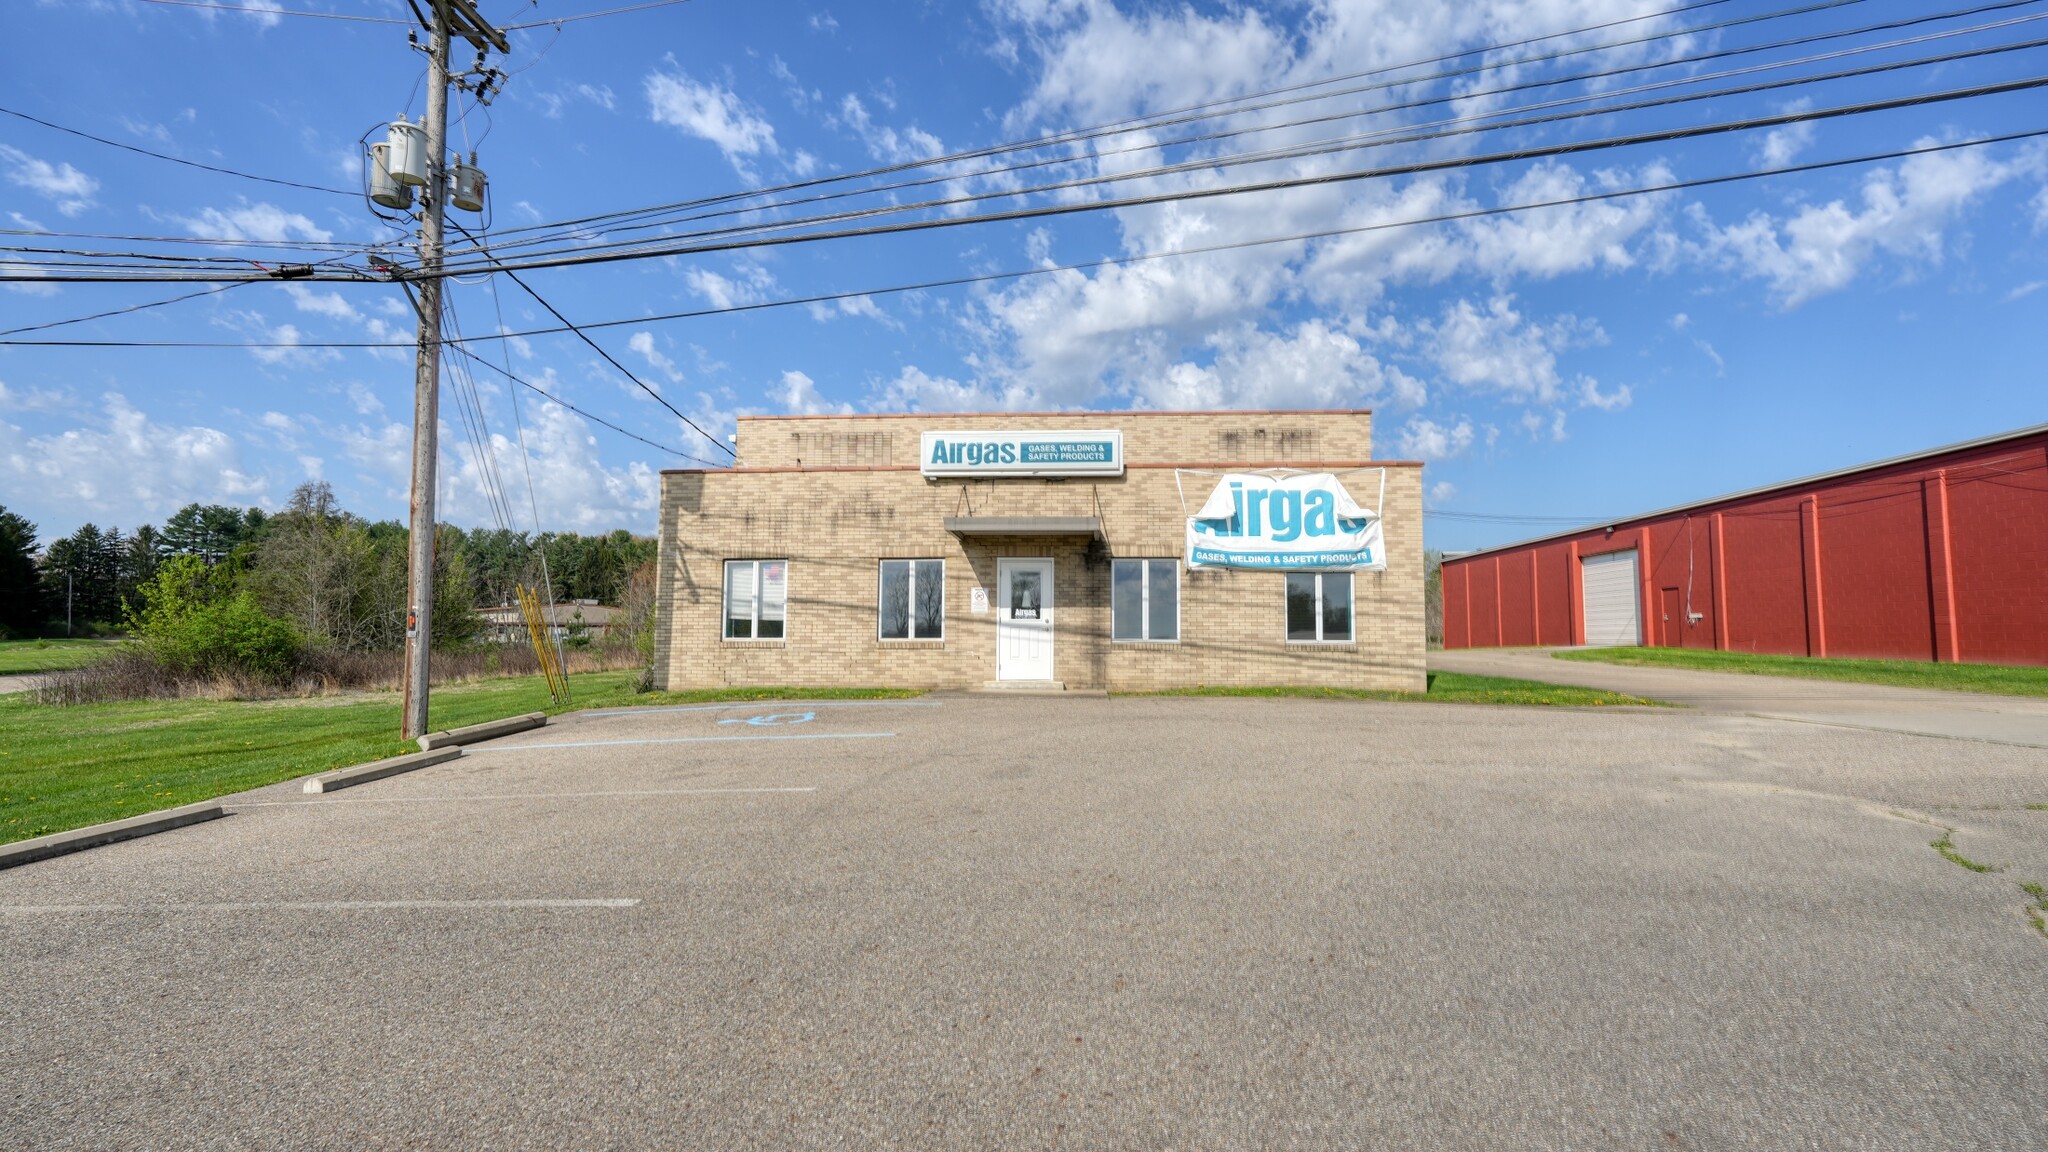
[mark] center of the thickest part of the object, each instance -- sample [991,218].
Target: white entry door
[1024,618]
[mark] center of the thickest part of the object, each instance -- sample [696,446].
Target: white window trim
[1145,599]
[725,609]
[913,638]
[1320,638]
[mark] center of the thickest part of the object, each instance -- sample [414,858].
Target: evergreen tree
[209,531]
[82,577]
[21,594]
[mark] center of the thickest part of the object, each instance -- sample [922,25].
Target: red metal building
[1940,555]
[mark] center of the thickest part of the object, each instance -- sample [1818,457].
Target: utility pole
[459,16]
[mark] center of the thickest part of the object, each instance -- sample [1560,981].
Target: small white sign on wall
[977,600]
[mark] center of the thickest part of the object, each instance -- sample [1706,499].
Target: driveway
[1959,715]
[975,922]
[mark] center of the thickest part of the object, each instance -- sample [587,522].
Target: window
[913,600]
[756,597]
[1319,606]
[1144,600]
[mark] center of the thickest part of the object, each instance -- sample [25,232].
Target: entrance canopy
[1025,526]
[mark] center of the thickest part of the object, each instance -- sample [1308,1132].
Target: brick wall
[833,526]
[1153,437]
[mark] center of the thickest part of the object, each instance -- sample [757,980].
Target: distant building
[1048,549]
[505,624]
[1939,555]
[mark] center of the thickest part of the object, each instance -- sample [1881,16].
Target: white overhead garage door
[1612,598]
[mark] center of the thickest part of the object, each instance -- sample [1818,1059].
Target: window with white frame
[756,599]
[1144,600]
[913,604]
[1319,606]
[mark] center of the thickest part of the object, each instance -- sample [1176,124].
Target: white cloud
[823,22]
[1314,366]
[825,310]
[710,112]
[328,304]
[2022,291]
[262,221]
[1781,146]
[1680,322]
[1590,396]
[1441,493]
[883,142]
[364,401]
[749,284]
[1422,439]
[914,390]
[61,184]
[128,466]
[1494,348]
[574,488]
[1905,212]
[643,343]
[798,395]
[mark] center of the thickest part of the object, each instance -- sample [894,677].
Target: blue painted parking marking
[679,740]
[774,719]
[758,703]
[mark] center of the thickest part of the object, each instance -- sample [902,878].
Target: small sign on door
[977,600]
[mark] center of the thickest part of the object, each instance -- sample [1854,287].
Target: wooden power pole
[458,17]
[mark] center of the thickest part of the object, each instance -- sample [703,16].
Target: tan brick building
[886,550]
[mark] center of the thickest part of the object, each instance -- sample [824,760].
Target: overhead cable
[1185,114]
[172,159]
[1138,258]
[1428,131]
[609,358]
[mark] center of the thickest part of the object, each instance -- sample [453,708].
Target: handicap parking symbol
[774,719]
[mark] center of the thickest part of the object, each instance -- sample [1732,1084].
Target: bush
[196,625]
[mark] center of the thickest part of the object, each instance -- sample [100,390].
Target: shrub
[195,624]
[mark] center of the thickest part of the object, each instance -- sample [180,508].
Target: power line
[992,277]
[1567,148]
[172,159]
[1440,130]
[560,20]
[1167,118]
[524,383]
[599,349]
[218,288]
[279,11]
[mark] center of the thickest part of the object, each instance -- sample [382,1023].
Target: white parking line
[475,749]
[770,704]
[509,796]
[318,906]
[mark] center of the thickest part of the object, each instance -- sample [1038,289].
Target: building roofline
[1080,412]
[1765,490]
[1239,465]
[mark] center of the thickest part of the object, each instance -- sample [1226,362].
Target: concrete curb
[378,769]
[79,839]
[487,730]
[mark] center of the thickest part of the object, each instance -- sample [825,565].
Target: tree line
[337,577]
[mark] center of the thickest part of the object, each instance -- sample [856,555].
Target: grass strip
[64,768]
[19,656]
[1444,688]
[1997,679]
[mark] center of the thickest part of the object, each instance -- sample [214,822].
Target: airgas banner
[1298,521]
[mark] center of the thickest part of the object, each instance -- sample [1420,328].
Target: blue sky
[1586,361]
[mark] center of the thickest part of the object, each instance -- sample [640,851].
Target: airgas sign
[1292,521]
[1057,453]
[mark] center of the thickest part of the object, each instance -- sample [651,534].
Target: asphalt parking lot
[974,922]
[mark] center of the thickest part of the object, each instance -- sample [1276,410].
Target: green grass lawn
[63,768]
[1447,688]
[48,655]
[1994,678]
